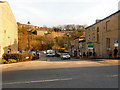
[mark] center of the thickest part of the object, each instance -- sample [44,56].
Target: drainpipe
[102,40]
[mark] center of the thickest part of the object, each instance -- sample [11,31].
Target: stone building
[53,34]
[119,29]
[102,37]
[78,46]
[8,30]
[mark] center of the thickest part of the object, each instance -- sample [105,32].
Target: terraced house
[8,30]
[103,36]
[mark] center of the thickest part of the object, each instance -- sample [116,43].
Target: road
[61,74]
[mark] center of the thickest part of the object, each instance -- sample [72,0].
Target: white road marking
[112,76]
[39,81]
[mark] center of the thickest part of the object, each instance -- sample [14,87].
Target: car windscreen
[65,54]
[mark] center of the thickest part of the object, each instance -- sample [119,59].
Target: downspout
[102,39]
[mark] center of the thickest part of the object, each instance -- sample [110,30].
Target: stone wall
[108,28]
[0,32]
[9,29]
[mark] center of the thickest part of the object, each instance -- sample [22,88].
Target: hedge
[9,61]
[17,56]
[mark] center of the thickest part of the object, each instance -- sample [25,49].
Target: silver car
[50,54]
[65,56]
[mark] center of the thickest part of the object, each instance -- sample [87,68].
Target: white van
[50,53]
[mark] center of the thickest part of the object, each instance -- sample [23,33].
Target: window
[89,30]
[97,33]
[88,37]
[108,25]
[108,42]
[93,36]
[93,28]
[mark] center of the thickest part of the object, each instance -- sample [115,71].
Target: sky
[61,12]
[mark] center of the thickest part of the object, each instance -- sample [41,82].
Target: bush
[17,56]
[4,61]
[12,60]
[9,61]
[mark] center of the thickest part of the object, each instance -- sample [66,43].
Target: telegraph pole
[28,35]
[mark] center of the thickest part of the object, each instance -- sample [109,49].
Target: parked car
[33,52]
[49,51]
[50,54]
[65,56]
[42,52]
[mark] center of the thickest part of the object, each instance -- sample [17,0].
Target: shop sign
[90,45]
[116,42]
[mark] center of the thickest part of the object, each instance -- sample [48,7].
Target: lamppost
[28,35]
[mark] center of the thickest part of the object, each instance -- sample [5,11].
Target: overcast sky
[60,12]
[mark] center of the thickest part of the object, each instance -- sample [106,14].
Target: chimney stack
[97,20]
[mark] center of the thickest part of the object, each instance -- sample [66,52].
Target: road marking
[39,81]
[112,76]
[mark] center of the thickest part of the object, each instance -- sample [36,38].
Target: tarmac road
[61,74]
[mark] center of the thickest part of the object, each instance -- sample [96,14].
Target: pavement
[57,63]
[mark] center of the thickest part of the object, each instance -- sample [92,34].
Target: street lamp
[28,35]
